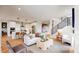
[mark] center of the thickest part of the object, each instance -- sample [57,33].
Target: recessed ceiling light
[19,9]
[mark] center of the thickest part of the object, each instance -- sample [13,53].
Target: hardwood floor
[13,42]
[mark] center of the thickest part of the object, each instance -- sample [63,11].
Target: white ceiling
[32,12]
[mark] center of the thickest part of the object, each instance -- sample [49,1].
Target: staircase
[65,22]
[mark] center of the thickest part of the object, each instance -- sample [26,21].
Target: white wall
[66,12]
[76,29]
[38,27]
[50,26]
[18,27]
[27,27]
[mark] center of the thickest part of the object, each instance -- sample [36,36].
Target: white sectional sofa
[29,41]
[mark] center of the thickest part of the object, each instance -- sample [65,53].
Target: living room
[36,29]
